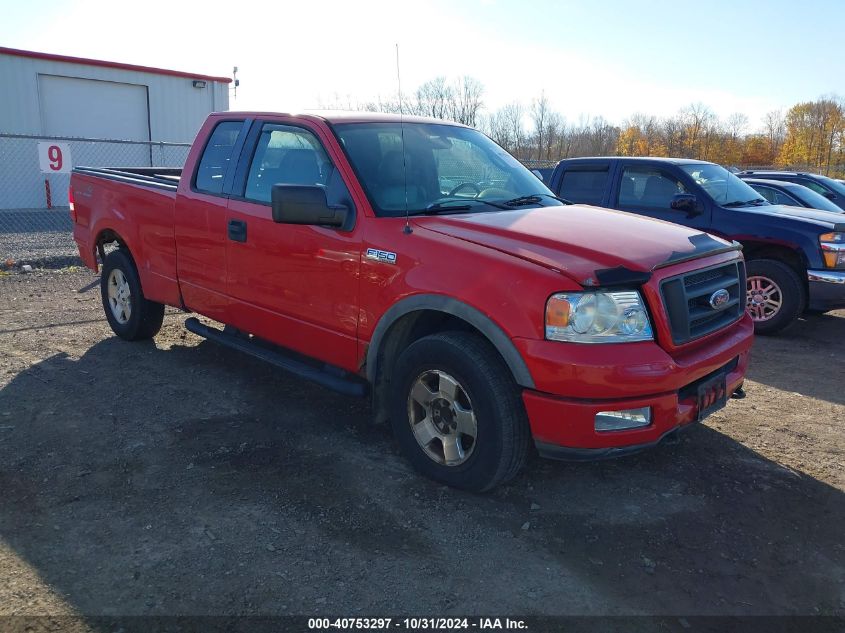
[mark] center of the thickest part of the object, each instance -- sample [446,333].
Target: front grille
[687,299]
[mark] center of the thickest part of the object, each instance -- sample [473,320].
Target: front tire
[457,413]
[775,297]
[131,316]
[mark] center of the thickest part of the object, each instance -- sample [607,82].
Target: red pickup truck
[417,262]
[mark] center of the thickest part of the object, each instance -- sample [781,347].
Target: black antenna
[407,228]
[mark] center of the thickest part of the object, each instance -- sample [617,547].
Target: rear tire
[131,316]
[473,434]
[775,296]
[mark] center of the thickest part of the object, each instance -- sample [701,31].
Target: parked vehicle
[795,257]
[477,315]
[833,190]
[792,194]
[543,173]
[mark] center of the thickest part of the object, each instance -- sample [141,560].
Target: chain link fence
[35,225]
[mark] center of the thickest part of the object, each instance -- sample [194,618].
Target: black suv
[793,194]
[831,189]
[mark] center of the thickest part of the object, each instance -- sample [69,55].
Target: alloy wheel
[120,296]
[763,298]
[442,418]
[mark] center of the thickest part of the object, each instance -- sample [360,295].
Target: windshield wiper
[744,203]
[535,198]
[447,207]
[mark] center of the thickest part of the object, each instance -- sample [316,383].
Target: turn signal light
[557,312]
[830,258]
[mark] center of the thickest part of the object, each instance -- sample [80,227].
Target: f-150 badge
[381,256]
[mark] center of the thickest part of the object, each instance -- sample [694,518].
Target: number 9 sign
[54,158]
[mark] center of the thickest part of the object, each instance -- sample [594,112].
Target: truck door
[648,189]
[200,221]
[294,285]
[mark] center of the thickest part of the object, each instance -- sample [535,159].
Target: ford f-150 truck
[417,262]
[795,257]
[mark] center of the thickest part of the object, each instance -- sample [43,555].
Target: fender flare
[448,305]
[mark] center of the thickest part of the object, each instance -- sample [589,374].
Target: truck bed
[134,206]
[160,177]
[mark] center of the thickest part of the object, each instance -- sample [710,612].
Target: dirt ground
[183,478]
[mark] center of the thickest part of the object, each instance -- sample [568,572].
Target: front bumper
[564,425]
[568,454]
[826,289]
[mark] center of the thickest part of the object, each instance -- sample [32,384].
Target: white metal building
[59,97]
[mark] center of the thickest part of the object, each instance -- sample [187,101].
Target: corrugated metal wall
[177,109]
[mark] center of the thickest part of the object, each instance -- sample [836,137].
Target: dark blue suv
[833,190]
[795,257]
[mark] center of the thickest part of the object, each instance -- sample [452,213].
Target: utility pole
[235,83]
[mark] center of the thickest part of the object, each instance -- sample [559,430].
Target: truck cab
[795,257]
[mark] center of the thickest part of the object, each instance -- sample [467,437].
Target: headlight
[833,249]
[597,317]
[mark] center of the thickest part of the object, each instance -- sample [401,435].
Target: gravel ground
[178,477]
[41,238]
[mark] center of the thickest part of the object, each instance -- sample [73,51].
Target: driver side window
[648,188]
[779,197]
[768,193]
[288,155]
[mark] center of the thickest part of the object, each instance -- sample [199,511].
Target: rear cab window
[217,157]
[584,184]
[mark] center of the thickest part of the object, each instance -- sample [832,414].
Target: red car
[417,262]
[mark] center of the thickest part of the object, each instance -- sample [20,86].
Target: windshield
[722,186]
[835,185]
[445,167]
[813,199]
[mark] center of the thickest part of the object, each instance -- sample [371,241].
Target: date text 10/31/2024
[415,624]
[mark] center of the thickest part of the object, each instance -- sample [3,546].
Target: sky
[610,58]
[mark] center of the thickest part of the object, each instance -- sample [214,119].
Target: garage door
[93,109]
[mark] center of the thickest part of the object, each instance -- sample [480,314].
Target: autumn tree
[810,135]
[814,132]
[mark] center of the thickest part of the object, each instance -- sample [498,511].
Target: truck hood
[827,219]
[593,246]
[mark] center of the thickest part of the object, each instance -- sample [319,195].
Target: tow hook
[739,394]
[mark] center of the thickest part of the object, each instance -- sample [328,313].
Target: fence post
[47,191]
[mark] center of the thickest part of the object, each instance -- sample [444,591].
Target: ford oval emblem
[719,299]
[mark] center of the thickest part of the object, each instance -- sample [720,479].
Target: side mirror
[685,202]
[829,195]
[305,204]
[537,173]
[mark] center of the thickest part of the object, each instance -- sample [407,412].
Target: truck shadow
[805,358]
[138,480]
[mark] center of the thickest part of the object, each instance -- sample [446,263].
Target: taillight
[70,204]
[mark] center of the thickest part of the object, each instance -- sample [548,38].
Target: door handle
[237,230]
